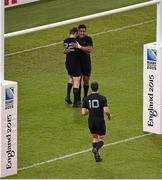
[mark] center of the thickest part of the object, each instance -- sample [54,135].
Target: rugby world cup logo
[9,98]
[151,59]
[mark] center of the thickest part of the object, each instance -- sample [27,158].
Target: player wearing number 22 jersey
[73,67]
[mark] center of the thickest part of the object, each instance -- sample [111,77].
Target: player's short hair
[73,30]
[94,86]
[82,26]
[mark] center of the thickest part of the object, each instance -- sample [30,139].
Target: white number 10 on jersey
[94,103]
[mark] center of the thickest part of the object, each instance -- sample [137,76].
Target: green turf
[50,11]
[48,128]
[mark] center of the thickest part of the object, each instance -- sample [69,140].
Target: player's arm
[107,112]
[84,111]
[86,49]
[106,108]
[66,51]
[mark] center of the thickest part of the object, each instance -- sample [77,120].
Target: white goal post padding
[8,128]
[152,88]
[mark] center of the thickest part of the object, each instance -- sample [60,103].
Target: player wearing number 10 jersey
[95,105]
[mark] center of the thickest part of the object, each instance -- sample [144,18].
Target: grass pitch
[48,128]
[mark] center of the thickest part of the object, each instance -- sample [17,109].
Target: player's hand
[66,51]
[76,45]
[109,116]
[79,46]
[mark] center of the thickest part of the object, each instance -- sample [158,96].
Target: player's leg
[94,140]
[86,71]
[101,132]
[100,142]
[80,88]
[69,87]
[94,149]
[76,72]
[92,128]
[70,82]
[86,84]
[76,83]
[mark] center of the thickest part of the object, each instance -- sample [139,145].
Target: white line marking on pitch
[81,152]
[96,34]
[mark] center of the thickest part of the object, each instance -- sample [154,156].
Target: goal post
[8,113]
[1,40]
[8,128]
[152,80]
[152,86]
[159,23]
[83,18]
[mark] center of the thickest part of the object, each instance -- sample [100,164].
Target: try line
[82,152]
[95,34]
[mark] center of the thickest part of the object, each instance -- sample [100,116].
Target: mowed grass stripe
[82,152]
[93,35]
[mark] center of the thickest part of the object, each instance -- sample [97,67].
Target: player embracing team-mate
[85,45]
[78,63]
[72,65]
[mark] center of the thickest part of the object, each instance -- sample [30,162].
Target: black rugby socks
[94,144]
[76,98]
[69,86]
[79,93]
[99,145]
[86,88]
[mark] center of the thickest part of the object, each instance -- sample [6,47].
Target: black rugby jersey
[86,41]
[68,45]
[95,103]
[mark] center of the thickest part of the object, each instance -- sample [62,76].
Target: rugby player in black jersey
[96,105]
[85,46]
[73,67]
